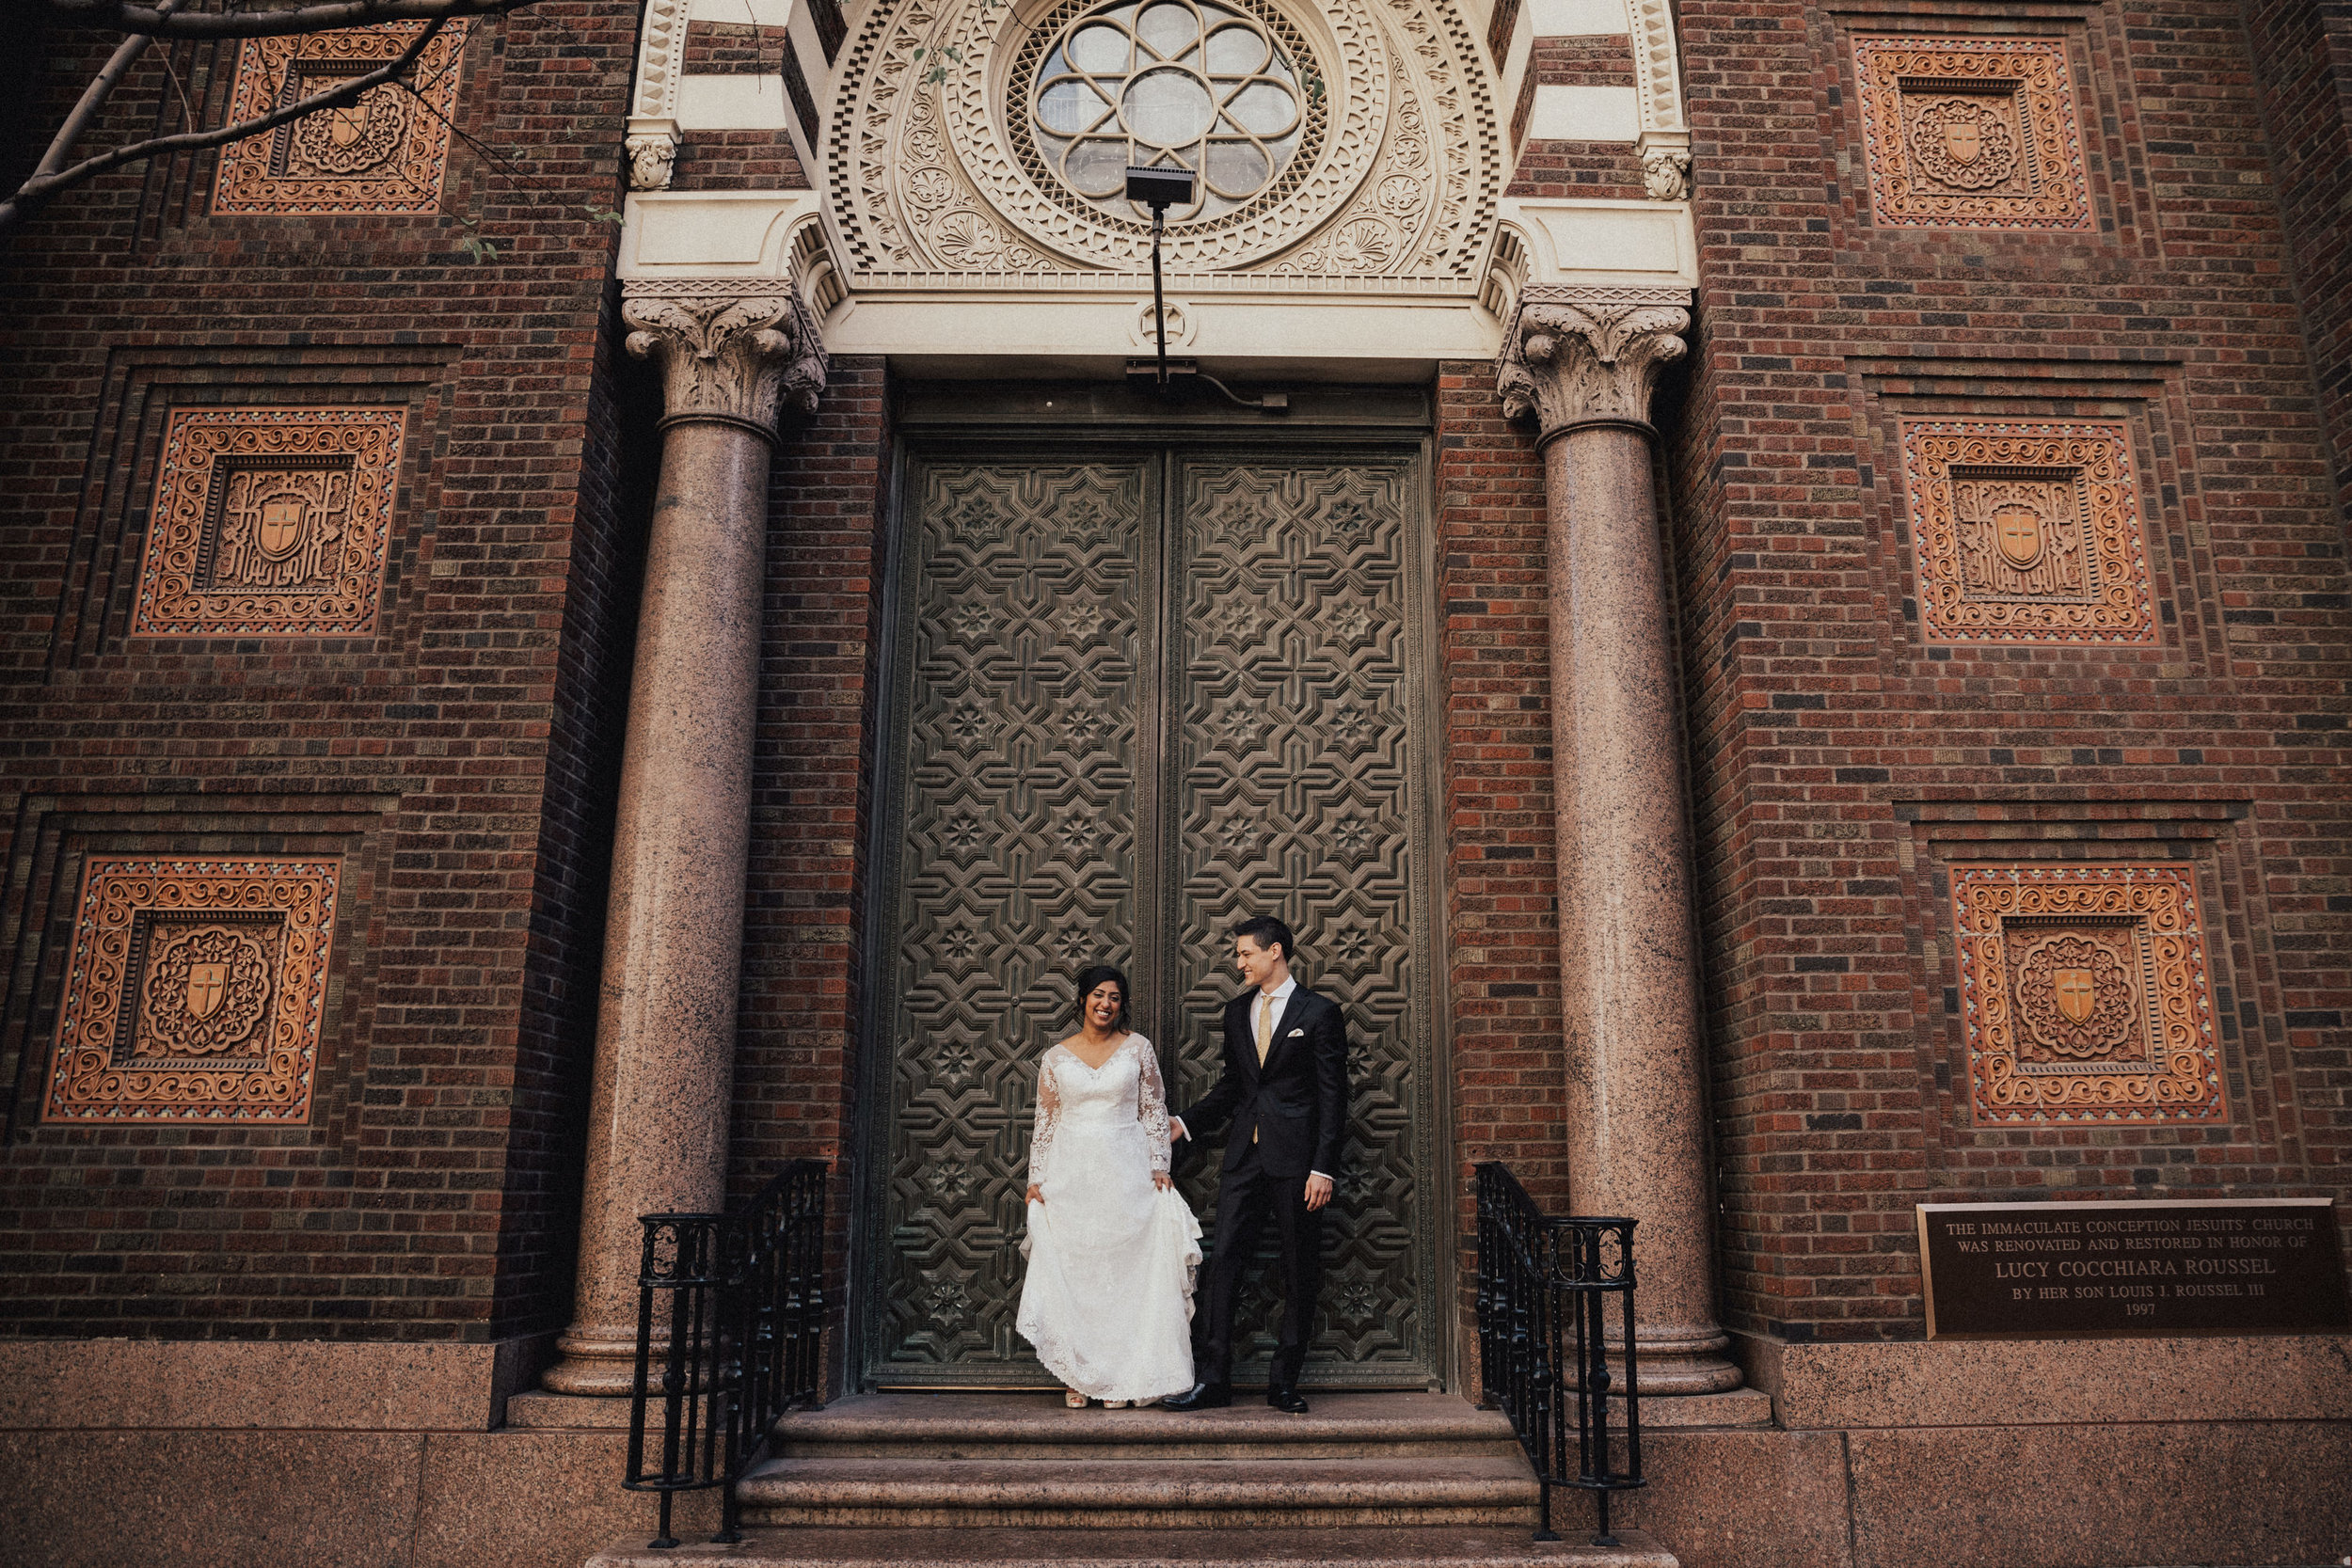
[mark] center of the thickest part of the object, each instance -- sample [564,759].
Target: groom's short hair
[1269,931]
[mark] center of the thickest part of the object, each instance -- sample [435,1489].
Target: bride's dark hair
[1093,975]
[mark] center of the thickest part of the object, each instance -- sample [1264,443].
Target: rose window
[1186,84]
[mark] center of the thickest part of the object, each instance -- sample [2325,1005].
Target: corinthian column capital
[1574,357]
[730,353]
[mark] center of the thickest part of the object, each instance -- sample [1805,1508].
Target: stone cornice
[730,353]
[1574,357]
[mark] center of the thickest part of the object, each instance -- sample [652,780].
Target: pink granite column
[1585,363]
[730,356]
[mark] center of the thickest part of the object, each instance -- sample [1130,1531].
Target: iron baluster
[1545,1283]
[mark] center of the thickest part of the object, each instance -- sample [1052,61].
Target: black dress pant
[1245,1197]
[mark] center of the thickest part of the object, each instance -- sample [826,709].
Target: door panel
[1293,742]
[1016,868]
[1073,784]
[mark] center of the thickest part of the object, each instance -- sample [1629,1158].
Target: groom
[1285,1086]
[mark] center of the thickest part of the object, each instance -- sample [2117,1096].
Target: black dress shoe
[1287,1400]
[1202,1395]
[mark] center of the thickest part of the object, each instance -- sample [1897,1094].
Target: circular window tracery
[1191,84]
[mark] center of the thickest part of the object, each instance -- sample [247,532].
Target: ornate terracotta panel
[1971,133]
[195,992]
[384,153]
[2026,533]
[270,522]
[2083,994]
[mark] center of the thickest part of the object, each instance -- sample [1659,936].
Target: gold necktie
[1265,1025]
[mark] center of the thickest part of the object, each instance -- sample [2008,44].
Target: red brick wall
[796,1059]
[1839,763]
[736,160]
[2302,56]
[429,1194]
[1606,170]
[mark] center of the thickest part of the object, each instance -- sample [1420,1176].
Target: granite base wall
[2080,1454]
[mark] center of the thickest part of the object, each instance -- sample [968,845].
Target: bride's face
[1102,1003]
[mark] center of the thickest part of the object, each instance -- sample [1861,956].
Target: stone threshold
[1439,1547]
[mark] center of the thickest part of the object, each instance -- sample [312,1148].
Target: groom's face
[1256,963]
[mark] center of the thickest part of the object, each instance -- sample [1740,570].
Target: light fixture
[1159,188]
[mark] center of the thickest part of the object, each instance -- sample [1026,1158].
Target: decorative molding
[653,145]
[195,992]
[660,61]
[2026,533]
[384,155]
[1976,133]
[270,522]
[2083,995]
[727,352]
[1665,165]
[1658,67]
[1573,356]
[928,178]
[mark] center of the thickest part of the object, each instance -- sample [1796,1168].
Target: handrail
[1543,1284]
[730,1331]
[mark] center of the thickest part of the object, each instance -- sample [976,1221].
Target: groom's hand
[1318,1192]
[1177,1128]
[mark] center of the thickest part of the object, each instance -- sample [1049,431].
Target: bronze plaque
[2023,1271]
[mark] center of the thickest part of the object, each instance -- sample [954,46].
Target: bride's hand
[1036,1194]
[1161,1180]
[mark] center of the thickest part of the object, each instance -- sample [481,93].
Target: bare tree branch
[322,16]
[93,97]
[46,184]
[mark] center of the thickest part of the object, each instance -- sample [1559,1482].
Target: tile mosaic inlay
[1971,133]
[270,522]
[384,153]
[2026,533]
[2083,995]
[195,992]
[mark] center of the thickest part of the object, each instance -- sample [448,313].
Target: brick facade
[1845,763]
[455,757]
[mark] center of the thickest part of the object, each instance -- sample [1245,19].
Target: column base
[1684,1361]
[597,1362]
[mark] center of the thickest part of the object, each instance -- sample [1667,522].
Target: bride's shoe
[1073,1398]
[1114,1404]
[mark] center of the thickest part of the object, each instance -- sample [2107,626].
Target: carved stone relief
[195,992]
[1574,356]
[270,522]
[732,352]
[384,153]
[1971,133]
[938,163]
[2026,533]
[2083,994]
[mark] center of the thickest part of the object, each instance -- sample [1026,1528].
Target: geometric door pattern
[1292,748]
[1078,786]
[1017,868]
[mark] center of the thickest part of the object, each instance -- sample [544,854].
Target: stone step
[1039,1426]
[1265,1490]
[1146,1549]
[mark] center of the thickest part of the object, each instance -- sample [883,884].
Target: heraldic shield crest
[1964,140]
[208,987]
[2074,994]
[2017,533]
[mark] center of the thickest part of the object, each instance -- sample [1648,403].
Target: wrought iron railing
[1545,1287]
[730,1331]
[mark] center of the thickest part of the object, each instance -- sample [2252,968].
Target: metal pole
[1159,310]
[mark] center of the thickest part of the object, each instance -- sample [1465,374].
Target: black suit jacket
[1298,1104]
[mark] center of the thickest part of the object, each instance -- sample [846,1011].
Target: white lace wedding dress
[1112,1259]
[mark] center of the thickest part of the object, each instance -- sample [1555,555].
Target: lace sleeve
[1152,1105]
[1048,1116]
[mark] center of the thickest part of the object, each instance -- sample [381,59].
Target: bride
[1112,1248]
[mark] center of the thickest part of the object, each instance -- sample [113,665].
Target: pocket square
[1293,1034]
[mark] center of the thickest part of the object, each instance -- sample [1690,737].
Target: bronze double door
[1137,694]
